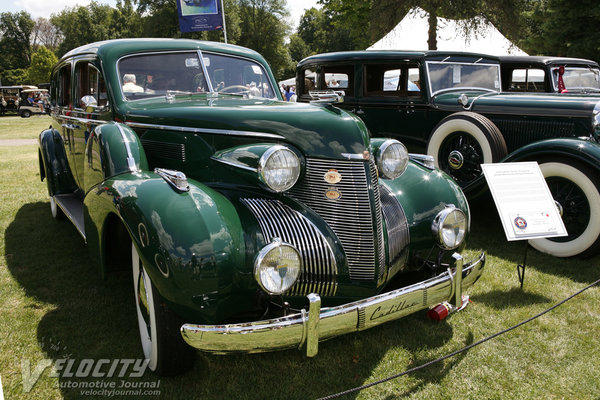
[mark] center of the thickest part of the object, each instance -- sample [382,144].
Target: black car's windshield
[160,74]
[444,76]
[577,79]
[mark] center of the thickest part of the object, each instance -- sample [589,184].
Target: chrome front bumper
[316,324]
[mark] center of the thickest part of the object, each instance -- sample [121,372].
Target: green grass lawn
[53,305]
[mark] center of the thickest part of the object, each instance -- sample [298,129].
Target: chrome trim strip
[204,130]
[205,71]
[297,329]
[234,164]
[352,156]
[130,159]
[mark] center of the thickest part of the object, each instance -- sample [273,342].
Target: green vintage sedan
[249,224]
[450,106]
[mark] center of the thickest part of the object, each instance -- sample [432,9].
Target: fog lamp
[277,267]
[449,227]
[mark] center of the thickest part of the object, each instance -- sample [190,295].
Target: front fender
[191,243]
[423,193]
[54,165]
[585,151]
[112,149]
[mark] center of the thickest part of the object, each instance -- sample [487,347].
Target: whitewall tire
[161,342]
[463,141]
[577,189]
[56,211]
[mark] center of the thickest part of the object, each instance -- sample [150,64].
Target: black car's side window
[527,80]
[338,78]
[63,92]
[392,80]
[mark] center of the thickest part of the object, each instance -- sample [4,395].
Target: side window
[63,95]
[310,80]
[339,77]
[90,86]
[392,80]
[527,80]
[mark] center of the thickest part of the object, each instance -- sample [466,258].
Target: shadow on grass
[487,233]
[94,319]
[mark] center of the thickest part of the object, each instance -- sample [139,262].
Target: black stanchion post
[521,267]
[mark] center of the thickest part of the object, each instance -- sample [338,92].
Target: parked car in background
[10,98]
[450,106]
[549,74]
[249,224]
[33,101]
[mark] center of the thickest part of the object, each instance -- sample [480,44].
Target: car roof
[545,60]
[391,55]
[119,47]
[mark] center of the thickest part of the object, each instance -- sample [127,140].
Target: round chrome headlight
[279,168]
[392,159]
[277,267]
[450,227]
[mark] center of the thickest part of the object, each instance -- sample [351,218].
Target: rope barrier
[427,364]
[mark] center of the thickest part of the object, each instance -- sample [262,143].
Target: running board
[72,206]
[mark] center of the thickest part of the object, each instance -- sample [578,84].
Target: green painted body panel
[54,161]
[421,206]
[199,246]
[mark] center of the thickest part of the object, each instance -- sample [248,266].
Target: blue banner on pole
[199,15]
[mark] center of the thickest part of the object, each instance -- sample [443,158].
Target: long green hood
[317,131]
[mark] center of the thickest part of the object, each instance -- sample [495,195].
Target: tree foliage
[42,62]
[263,29]
[15,31]
[562,28]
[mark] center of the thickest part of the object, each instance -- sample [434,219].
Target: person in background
[129,84]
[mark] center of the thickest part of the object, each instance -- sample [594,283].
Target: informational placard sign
[200,15]
[524,202]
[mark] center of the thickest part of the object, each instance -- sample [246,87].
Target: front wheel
[25,114]
[463,141]
[576,189]
[159,327]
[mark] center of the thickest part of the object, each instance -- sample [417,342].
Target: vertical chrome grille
[519,132]
[397,228]
[350,216]
[319,269]
[379,225]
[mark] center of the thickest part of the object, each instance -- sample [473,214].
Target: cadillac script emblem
[332,176]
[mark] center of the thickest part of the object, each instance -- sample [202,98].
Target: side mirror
[89,103]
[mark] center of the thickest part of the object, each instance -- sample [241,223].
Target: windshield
[445,76]
[160,74]
[578,78]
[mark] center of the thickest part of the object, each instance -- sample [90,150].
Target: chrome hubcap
[455,159]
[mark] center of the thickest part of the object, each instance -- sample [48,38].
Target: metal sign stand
[521,267]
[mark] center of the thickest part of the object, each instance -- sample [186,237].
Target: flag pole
[224,26]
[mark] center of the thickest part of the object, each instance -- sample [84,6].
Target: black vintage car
[549,74]
[450,105]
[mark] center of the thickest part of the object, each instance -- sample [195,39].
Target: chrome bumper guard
[316,324]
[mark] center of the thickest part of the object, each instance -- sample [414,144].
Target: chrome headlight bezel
[265,174]
[262,271]
[450,227]
[392,159]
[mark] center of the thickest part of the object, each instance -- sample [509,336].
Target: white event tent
[412,33]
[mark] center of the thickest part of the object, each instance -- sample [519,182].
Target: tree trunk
[432,40]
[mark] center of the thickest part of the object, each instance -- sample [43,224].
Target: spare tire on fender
[463,141]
